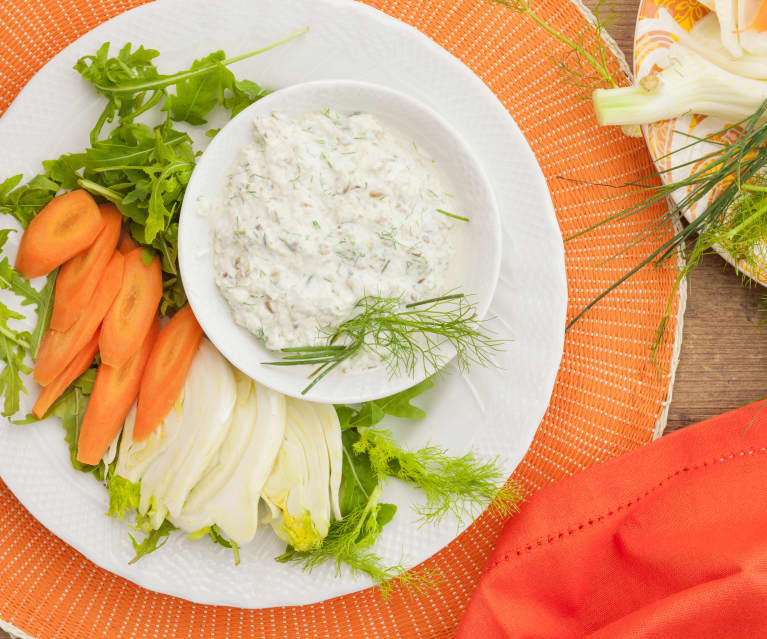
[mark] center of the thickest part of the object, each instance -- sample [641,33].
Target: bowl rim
[397,383]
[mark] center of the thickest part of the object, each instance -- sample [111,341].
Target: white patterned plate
[496,412]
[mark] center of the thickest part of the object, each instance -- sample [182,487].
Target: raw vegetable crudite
[114,391]
[135,308]
[182,440]
[79,277]
[79,364]
[166,370]
[689,84]
[58,348]
[67,225]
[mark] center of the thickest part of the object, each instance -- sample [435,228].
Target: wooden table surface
[723,347]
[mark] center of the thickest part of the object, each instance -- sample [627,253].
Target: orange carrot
[67,225]
[59,348]
[126,243]
[113,393]
[74,369]
[78,277]
[166,371]
[130,317]
[759,23]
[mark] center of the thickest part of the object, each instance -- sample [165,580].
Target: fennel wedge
[691,84]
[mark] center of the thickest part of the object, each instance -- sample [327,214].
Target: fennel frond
[580,67]
[732,182]
[404,336]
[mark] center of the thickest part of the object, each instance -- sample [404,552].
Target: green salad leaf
[13,348]
[154,540]
[70,408]
[124,496]
[397,405]
[25,201]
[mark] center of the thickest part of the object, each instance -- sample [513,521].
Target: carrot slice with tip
[114,391]
[166,371]
[74,369]
[130,317]
[59,348]
[78,277]
[67,225]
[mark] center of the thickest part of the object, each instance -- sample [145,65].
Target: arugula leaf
[400,405]
[358,479]
[13,348]
[397,405]
[198,95]
[44,312]
[215,534]
[70,408]
[24,202]
[244,93]
[12,280]
[4,234]
[154,540]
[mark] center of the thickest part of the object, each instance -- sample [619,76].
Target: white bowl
[478,259]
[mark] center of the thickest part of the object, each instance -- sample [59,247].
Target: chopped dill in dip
[319,212]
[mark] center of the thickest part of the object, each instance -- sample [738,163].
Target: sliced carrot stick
[59,348]
[166,371]
[128,320]
[113,393]
[67,225]
[78,277]
[74,369]
[759,23]
[126,243]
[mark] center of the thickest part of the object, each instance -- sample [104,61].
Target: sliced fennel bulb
[690,84]
[228,495]
[704,39]
[302,489]
[227,443]
[726,11]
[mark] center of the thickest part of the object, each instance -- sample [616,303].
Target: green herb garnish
[732,179]
[458,485]
[453,215]
[404,336]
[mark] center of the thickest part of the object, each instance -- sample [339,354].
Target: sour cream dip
[322,210]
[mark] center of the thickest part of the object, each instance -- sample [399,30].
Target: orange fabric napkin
[667,541]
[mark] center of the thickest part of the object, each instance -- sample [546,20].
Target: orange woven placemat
[608,396]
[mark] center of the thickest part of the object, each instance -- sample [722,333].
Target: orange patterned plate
[659,23]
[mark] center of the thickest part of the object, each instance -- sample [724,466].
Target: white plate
[494,411]
[473,270]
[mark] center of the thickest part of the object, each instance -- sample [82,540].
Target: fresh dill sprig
[348,543]
[580,68]
[730,180]
[403,336]
[462,485]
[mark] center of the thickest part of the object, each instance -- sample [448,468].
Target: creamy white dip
[321,211]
